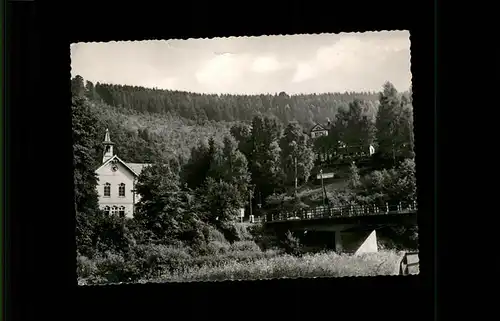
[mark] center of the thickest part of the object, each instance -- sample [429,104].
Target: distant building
[318,131]
[116,182]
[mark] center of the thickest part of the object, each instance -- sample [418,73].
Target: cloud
[294,64]
[304,71]
[266,64]
[350,57]
[222,70]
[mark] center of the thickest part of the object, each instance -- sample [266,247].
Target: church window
[106,210]
[122,211]
[107,190]
[121,190]
[114,210]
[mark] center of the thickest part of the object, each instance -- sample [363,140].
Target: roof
[318,127]
[135,168]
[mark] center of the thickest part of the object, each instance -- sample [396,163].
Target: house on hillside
[319,131]
[116,182]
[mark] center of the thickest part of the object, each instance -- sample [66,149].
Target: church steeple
[108,147]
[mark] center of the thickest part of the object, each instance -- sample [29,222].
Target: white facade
[116,182]
[318,131]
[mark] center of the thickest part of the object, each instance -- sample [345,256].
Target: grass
[333,185]
[220,260]
[327,264]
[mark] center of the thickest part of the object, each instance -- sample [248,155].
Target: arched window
[121,212]
[107,190]
[121,190]
[106,210]
[114,210]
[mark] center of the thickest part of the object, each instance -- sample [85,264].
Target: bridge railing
[349,210]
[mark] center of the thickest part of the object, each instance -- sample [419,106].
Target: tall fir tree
[388,121]
[85,179]
[297,155]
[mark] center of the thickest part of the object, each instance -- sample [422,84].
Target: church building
[116,182]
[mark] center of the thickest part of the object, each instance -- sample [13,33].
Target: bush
[212,234]
[156,259]
[291,244]
[245,246]
[265,240]
[217,248]
[213,242]
[235,232]
[114,268]
[85,267]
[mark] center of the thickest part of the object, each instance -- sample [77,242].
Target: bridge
[350,224]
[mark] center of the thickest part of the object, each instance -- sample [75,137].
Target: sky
[252,65]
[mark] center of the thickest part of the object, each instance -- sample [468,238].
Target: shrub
[113,268]
[291,244]
[245,246]
[85,267]
[217,247]
[234,232]
[263,239]
[156,259]
[212,234]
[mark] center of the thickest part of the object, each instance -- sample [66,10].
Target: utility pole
[322,186]
[250,202]
[295,161]
[133,198]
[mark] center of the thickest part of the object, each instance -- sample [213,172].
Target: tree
[85,180]
[367,132]
[90,91]
[230,165]
[405,182]
[354,128]
[77,86]
[354,177]
[265,156]
[243,135]
[394,125]
[220,202]
[394,185]
[112,234]
[405,146]
[198,167]
[296,151]
[164,206]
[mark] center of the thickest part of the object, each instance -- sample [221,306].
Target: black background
[40,219]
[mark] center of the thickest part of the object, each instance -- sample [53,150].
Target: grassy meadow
[327,264]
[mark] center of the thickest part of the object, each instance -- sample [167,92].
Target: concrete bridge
[352,226]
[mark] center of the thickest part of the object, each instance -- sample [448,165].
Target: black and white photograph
[244,158]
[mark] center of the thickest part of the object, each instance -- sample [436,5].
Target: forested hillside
[148,123]
[306,109]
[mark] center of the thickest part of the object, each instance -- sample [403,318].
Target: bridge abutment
[369,245]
